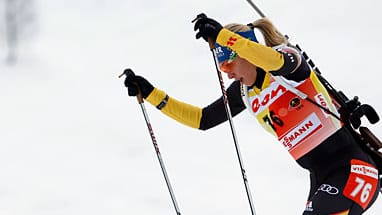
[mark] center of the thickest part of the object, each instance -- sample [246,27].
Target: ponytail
[272,36]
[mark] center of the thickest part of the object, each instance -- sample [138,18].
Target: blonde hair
[272,36]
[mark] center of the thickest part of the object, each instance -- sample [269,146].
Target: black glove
[208,28]
[132,82]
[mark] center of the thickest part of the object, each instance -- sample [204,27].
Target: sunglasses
[228,65]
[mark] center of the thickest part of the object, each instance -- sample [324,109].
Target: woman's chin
[245,82]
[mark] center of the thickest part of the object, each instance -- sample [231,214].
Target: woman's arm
[282,60]
[196,117]
[215,113]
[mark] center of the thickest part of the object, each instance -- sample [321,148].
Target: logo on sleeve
[231,41]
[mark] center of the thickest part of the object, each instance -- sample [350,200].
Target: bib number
[273,119]
[362,183]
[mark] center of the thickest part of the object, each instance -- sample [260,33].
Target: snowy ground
[73,142]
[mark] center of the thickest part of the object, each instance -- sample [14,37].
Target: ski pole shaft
[153,139]
[308,60]
[256,8]
[211,44]
[229,116]
[150,129]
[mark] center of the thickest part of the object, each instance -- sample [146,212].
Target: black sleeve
[215,113]
[291,61]
[291,69]
[302,72]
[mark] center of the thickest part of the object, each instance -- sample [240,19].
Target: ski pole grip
[139,98]
[211,44]
[139,95]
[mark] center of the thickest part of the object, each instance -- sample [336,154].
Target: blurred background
[73,142]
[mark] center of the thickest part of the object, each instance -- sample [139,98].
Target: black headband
[251,25]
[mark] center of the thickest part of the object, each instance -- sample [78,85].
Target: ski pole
[229,116]
[153,139]
[307,58]
[256,8]
[302,95]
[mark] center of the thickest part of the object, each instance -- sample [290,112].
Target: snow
[73,142]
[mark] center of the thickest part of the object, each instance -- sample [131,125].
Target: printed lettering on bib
[362,183]
[301,131]
[267,97]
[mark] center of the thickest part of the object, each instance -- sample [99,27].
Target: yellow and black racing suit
[344,179]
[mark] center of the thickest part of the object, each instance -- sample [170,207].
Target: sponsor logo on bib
[311,124]
[267,97]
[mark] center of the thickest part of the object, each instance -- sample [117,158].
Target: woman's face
[240,69]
